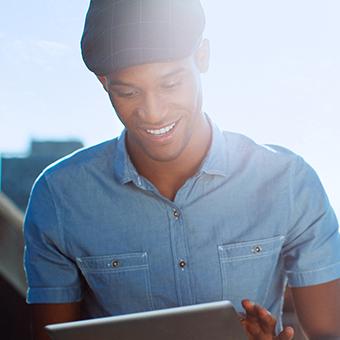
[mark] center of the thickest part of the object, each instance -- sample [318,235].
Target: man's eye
[171,85]
[127,94]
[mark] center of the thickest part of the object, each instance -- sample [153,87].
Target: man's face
[159,104]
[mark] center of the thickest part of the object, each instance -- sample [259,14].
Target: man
[174,211]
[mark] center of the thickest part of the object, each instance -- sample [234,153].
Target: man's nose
[152,109]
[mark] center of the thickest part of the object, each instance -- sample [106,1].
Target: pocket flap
[118,262]
[234,251]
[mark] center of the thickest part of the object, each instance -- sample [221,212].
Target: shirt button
[115,263]
[257,249]
[182,263]
[176,214]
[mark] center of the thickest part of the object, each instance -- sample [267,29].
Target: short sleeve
[51,275]
[312,247]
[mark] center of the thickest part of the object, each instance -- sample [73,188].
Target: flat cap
[122,33]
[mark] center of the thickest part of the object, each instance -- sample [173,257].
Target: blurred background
[274,76]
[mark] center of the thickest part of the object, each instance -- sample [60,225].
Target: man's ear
[202,56]
[103,80]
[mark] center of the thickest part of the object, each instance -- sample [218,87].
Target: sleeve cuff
[314,277]
[53,295]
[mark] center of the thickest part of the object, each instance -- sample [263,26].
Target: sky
[274,76]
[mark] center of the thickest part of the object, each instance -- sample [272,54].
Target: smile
[161,131]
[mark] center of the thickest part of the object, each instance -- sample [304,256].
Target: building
[18,173]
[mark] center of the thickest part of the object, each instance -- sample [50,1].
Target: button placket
[180,254]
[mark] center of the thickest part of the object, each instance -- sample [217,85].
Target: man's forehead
[151,71]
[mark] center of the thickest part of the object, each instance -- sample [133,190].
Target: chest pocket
[247,269]
[120,283]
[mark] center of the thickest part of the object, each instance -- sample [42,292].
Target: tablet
[208,321]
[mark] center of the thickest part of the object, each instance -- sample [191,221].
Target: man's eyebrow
[117,82]
[174,72]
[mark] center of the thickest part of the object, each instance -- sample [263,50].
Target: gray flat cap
[123,33]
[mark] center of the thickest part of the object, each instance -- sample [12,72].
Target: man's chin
[163,157]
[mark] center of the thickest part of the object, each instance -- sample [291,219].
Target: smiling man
[176,212]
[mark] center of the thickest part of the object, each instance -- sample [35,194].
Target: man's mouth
[162,131]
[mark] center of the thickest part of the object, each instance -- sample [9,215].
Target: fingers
[250,309]
[256,314]
[286,334]
[267,320]
[260,323]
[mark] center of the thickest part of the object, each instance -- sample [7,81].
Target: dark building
[18,173]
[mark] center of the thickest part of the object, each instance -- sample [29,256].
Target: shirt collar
[124,169]
[215,162]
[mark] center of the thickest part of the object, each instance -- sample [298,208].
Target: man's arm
[44,314]
[318,309]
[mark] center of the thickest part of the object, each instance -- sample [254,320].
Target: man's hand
[260,324]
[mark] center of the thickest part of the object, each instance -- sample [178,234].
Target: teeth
[162,130]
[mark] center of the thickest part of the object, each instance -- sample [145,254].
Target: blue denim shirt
[252,219]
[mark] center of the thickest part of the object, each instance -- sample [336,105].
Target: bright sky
[274,76]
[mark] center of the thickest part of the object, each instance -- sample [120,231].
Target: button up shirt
[252,219]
